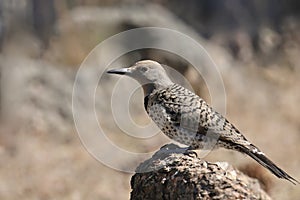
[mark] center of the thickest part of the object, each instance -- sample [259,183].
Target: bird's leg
[172,148]
[189,151]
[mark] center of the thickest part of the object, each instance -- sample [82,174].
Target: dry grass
[36,166]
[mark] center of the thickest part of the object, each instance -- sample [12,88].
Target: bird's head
[147,72]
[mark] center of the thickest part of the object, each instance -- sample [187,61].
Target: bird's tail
[260,157]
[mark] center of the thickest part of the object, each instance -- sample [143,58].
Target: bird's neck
[160,83]
[148,88]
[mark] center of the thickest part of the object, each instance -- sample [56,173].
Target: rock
[171,174]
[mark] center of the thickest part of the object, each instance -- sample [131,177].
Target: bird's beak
[121,71]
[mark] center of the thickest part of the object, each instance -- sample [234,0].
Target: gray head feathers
[150,74]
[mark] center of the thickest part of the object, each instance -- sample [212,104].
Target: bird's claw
[190,153]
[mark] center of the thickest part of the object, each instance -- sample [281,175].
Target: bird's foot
[190,152]
[172,148]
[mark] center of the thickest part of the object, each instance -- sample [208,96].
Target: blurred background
[256,45]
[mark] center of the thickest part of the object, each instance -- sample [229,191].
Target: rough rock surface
[170,174]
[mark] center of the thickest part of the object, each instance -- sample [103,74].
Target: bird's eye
[144,69]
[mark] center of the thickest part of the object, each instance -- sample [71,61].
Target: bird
[186,118]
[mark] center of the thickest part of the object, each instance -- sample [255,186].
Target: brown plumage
[186,118]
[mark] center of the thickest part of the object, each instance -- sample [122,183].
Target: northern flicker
[186,118]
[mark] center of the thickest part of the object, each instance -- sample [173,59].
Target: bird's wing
[189,112]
